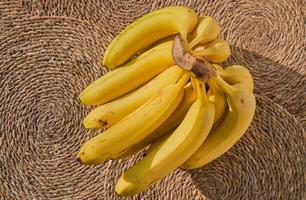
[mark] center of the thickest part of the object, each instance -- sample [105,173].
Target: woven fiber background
[50,50]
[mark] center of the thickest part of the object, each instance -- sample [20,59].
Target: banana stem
[200,88]
[203,93]
[184,35]
[194,42]
[196,86]
[200,52]
[227,88]
[183,80]
[212,85]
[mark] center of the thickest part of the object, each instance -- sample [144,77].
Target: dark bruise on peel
[198,66]
[79,160]
[102,122]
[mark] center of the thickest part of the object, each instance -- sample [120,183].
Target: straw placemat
[50,50]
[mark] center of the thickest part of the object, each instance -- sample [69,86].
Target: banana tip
[186,166]
[81,98]
[79,160]
[126,188]
[86,125]
[89,124]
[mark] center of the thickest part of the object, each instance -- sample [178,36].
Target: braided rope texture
[50,50]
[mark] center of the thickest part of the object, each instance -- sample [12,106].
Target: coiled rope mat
[50,50]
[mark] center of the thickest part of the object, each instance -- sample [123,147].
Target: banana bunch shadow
[267,162]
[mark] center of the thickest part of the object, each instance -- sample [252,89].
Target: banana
[173,151]
[148,29]
[107,115]
[242,104]
[215,51]
[177,117]
[135,127]
[172,122]
[207,30]
[237,74]
[130,76]
[218,98]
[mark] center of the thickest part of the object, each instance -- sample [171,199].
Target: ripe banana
[173,151]
[110,113]
[242,104]
[148,29]
[237,74]
[215,51]
[218,98]
[130,76]
[207,30]
[135,127]
[172,122]
[177,117]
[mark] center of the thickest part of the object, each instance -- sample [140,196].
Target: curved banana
[207,30]
[215,51]
[130,76]
[148,29]
[173,151]
[107,115]
[239,116]
[172,122]
[218,98]
[135,127]
[237,74]
[179,114]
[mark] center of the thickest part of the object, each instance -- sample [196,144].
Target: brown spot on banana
[102,122]
[79,160]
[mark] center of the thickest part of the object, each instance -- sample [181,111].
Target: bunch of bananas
[166,90]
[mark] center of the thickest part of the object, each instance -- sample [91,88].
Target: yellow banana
[172,122]
[239,116]
[218,98]
[207,30]
[177,117]
[107,115]
[130,76]
[215,51]
[135,127]
[237,74]
[173,151]
[148,29]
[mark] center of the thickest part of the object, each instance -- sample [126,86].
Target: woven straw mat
[51,50]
